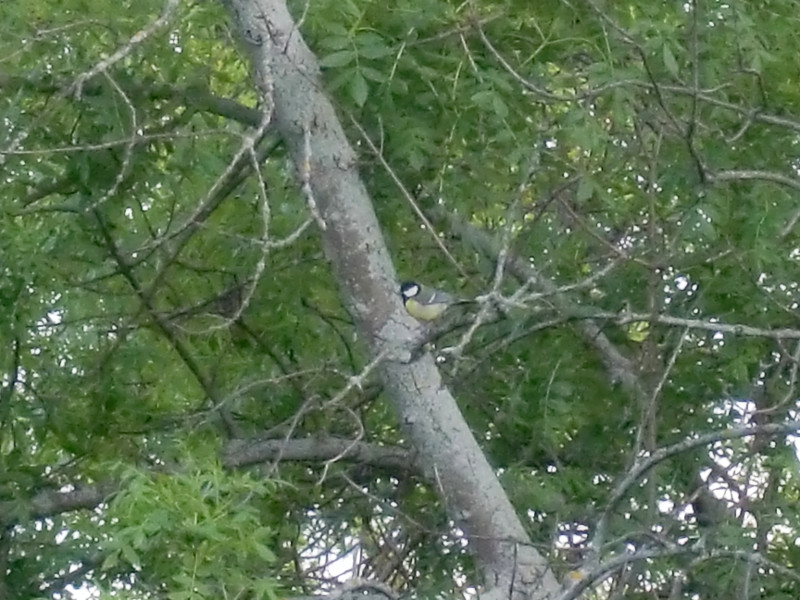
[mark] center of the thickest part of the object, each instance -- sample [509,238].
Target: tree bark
[288,75]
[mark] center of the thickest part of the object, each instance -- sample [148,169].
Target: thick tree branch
[198,97]
[49,503]
[238,454]
[243,453]
[288,76]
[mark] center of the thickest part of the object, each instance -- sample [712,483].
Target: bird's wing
[441,297]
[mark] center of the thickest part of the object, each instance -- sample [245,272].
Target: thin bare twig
[127,156]
[137,38]
[644,464]
[623,318]
[407,195]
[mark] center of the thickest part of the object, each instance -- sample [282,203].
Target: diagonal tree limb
[288,75]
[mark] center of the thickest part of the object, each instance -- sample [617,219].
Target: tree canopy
[210,388]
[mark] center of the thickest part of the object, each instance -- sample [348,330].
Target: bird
[425,303]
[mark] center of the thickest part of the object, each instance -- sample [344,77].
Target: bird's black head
[409,289]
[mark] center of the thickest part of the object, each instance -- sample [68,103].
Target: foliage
[190,534]
[637,154]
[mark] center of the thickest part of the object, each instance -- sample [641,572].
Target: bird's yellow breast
[424,312]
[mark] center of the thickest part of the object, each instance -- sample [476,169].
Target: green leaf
[586,188]
[669,61]
[372,74]
[267,555]
[338,59]
[110,562]
[358,88]
[500,107]
[337,42]
[372,46]
[130,555]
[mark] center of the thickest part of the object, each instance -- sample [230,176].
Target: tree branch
[243,453]
[288,77]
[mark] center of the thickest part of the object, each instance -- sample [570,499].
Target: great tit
[424,303]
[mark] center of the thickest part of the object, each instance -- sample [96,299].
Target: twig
[129,147]
[642,465]
[699,324]
[407,195]
[137,38]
